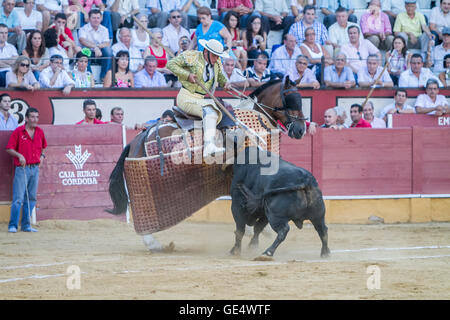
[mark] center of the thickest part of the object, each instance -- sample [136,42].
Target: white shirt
[143,80]
[126,6]
[96,36]
[167,5]
[135,54]
[378,123]
[281,61]
[54,5]
[8,51]
[424,101]
[339,35]
[28,78]
[62,81]
[409,80]
[440,19]
[235,76]
[171,36]
[63,53]
[28,23]
[391,106]
[364,76]
[438,53]
[141,45]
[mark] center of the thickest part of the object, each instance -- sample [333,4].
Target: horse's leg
[239,218]
[257,229]
[322,230]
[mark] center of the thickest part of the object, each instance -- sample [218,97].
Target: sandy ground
[412,259]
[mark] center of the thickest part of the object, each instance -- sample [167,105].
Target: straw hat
[215,47]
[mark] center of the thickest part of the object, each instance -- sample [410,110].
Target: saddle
[186,121]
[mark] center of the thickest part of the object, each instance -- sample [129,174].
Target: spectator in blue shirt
[16,36]
[339,75]
[7,120]
[149,77]
[329,7]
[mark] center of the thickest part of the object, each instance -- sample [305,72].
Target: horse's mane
[258,90]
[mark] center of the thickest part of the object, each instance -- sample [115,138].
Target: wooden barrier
[422,120]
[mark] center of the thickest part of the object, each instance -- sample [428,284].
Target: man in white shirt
[174,31]
[338,32]
[7,50]
[160,10]
[438,53]
[399,106]
[136,60]
[96,37]
[432,102]
[440,19]
[274,15]
[29,18]
[283,58]
[149,77]
[370,73]
[416,76]
[375,122]
[121,11]
[233,74]
[54,76]
[49,9]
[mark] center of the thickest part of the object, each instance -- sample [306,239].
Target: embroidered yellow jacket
[192,61]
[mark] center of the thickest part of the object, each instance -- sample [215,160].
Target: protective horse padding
[159,202]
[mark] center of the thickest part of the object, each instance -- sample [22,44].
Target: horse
[279,100]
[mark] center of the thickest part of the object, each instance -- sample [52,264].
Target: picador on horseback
[192,68]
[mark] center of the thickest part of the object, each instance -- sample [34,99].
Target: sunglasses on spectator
[175,17]
[25,65]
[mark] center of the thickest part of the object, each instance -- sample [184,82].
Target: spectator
[330,120]
[338,32]
[274,15]
[315,52]
[399,105]
[8,54]
[123,78]
[392,8]
[80,74]
[64,35]
[98,114]
[21,75]
[55,76]
[96,37]
[29,18]
[416,76]
[8,16]
[84,6]
[155,49]
[125,44]
[356,113]
[233,74]
[309,16]
[328,7]
[254,39]
[375,26]
[160,12]
[49,9]
[432,102]
[90,112]
[297,8]
[167,117]
[444,76]
[139,36]
[439,52]
[410,25]
[54,48]
[26,146]
[37,52]
[117,115]
[243,9]
[231,22]
[283,57]
[369,74]
[209,29]
[173,31]
[399,59]
[183,44]
[149,77]
[440,19]
[339,75]
[7,120]
[375,122]
[341,116]
[123,10]
[190,7]
[259,74]
[358,50]
[303,76]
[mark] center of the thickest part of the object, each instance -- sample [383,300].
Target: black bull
[289,194]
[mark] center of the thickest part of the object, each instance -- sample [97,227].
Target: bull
[290,194]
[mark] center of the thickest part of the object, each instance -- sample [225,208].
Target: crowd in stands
[325,43]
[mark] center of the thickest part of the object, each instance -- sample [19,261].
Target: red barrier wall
[422,120]
[6,168]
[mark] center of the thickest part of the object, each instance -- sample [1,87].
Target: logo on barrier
[80,176]
[18,108]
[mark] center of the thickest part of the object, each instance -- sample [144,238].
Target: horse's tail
[117,190]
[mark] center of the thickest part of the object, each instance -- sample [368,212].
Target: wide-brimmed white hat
[215,47]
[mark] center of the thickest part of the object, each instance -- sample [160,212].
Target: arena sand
[413,261]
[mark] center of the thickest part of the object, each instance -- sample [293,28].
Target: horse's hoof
[253,245]
[325,253]
[263,257]
[169,248]
[235,251]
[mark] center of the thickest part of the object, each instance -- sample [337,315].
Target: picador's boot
[209,133]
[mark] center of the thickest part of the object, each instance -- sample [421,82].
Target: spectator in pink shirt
[376,27]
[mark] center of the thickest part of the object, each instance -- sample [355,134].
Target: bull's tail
[117,190]
[253,201]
